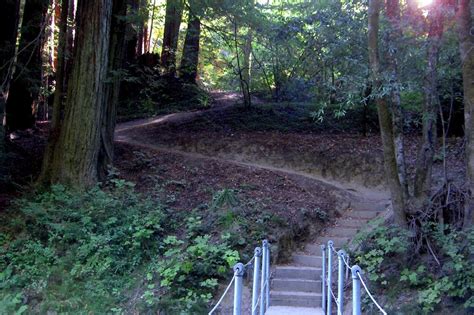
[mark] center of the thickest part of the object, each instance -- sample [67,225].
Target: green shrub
[442,269]
[105,251]
[382,248]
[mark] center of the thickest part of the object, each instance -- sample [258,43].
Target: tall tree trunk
[9,17]
[466,49]
[152,21]
[394,35]
[131,34]
[142,28]
[422,185]
[190,60]
[70,39]
[25,85]
[61,77]
[61,66]
[116,60]
[385,119]
[146,16]
[76,158]
[174,13]
[246,68]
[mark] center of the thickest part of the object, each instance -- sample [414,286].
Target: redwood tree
[174,13]
[466,49]
[116,61]
[25,85]
[190,60]
[9,16]
[76,157]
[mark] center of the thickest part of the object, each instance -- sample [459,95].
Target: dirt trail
[362,203]
[224,101]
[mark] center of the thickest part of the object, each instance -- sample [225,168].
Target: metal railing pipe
[340,281]
[355,290]
[256,278]
[263,279]
[323,277]
[267,275]
[239,269]
[329,279]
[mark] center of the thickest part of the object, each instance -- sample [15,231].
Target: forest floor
[274,157]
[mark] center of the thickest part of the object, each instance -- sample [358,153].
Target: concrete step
[316,246]
[295,272]
[339,231]
[299,299]
[296,285]
[307,260]
[292,310]
[351,222]
[361,214]
[368,206]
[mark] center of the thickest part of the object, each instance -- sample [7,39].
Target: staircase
[296,288]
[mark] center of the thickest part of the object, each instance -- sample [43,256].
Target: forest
[147,146]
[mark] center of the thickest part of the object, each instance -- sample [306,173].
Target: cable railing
[343,267]
[260,282]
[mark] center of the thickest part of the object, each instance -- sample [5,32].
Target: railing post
[256,278]
[355,290]
[263,279]
[340,281]
[323,277]
[347,268]
[329,279]
[239,269]
[267,275]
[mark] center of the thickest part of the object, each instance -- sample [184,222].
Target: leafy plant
[443,272]
[379,250]
[106,251]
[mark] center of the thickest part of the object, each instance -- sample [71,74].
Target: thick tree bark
[61,78]
[142,28]
[70,40]
[190,60]
[466,49]
[116,60]
[76,160]
[150,32]
[174,13]
[385,119]
[25,85]
[131,34]
[394,35]
[61,66]
[422,185]
[9,16]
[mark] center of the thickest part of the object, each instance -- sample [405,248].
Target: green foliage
[105,251]
[225,197]
[190,269]
[144,92]
[455,275]
[380,249]
[388,259]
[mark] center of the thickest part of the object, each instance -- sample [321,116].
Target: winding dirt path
[290,294]
[223,101]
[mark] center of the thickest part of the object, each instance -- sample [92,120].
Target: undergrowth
[144,92]
[106,250]
[434,279]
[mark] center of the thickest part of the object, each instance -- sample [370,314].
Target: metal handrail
[343,263]
[261,266]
